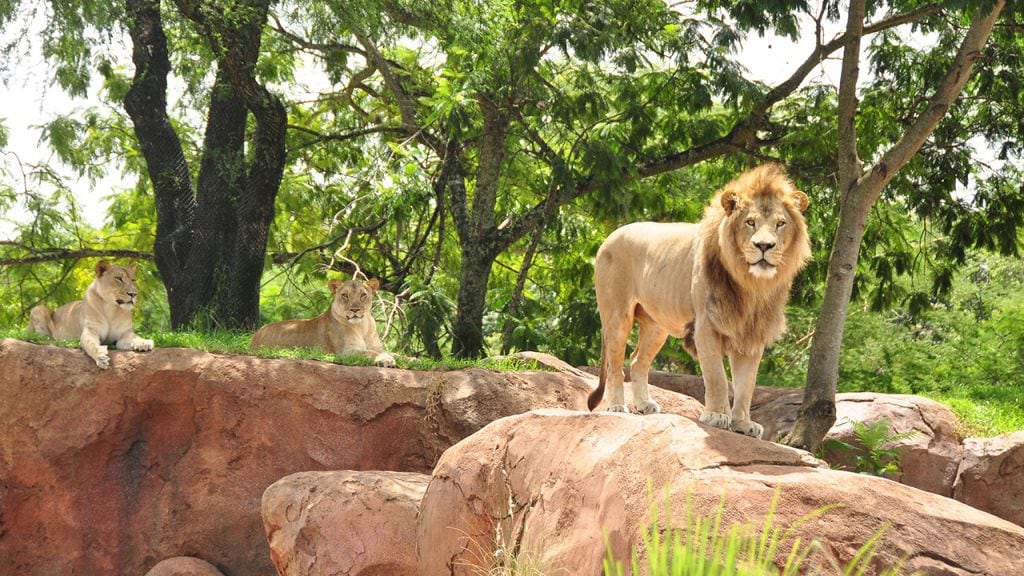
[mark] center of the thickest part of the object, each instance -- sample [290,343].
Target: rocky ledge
[162,464]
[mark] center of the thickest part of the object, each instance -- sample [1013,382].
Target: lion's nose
[764,246]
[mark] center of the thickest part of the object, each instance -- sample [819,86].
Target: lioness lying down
[103,315]
[721,285]
[347,328]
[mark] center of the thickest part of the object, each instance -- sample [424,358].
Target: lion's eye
[780,224]
[120,280]
[750,222]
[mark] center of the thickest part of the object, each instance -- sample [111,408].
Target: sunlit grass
[237,343]
[705,546]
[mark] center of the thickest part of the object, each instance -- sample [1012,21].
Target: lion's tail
[598,394]
[40,321]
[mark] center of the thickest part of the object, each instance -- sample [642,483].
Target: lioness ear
[729,201]
[334,285]
[800,200]
[373,284]
[131,271]
[101,267]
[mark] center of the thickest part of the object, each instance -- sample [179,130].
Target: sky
[30,99]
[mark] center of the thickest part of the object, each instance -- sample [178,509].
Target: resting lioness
[721,285]
[347,328]
[103,315]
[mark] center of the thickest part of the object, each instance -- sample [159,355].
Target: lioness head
[763,220]
[116,284]
[352,299]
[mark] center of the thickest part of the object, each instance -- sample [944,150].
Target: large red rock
[326,523]
[991,476]
[929,458]
[168,453]
[558,487]
[184,566]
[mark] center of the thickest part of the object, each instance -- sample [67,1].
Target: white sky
[31,99]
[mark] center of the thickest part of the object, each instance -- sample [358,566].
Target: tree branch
[946,93]
[40,255]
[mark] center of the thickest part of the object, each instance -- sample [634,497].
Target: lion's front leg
[744,378]
[90,343]
[383,359]
[132,341]
[716,385]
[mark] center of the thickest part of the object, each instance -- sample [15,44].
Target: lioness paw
[648,407]
[716,419]
[102,358]
[618,408]
[747,427]
[384,360]
[142,345]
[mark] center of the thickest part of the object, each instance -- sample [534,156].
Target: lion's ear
[101,267]
[729,201]
[800,200]
[373,284]
[334,285]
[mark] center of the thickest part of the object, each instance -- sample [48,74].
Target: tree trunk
[860,191]
[467,331]
[211,241]
[480,239]
[146,104]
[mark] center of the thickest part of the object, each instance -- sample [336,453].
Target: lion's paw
[747,428]
[384,360]
[102,358]
[716,419]
[618,408]
[648,407]
[142,345]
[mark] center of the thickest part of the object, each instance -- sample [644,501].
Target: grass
[237,343]
[703,547]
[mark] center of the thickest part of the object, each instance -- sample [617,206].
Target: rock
[555,487]
[168,453]
[326,523]
[929,459]
[671,401]
[991,476]
[184,566]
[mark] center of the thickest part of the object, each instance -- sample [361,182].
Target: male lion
[721,285]
[346,328]
[103,315]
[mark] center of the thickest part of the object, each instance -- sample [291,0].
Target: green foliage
[874,452]
[704,547]
[965,351]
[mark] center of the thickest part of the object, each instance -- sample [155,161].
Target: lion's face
[352,299]
[767,228]
[116,284]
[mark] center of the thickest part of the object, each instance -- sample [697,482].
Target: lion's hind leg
[615,329]
[650,339]
[40,321]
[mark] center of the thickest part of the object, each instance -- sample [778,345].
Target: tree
[860,188]
[548,103]
[211,237]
